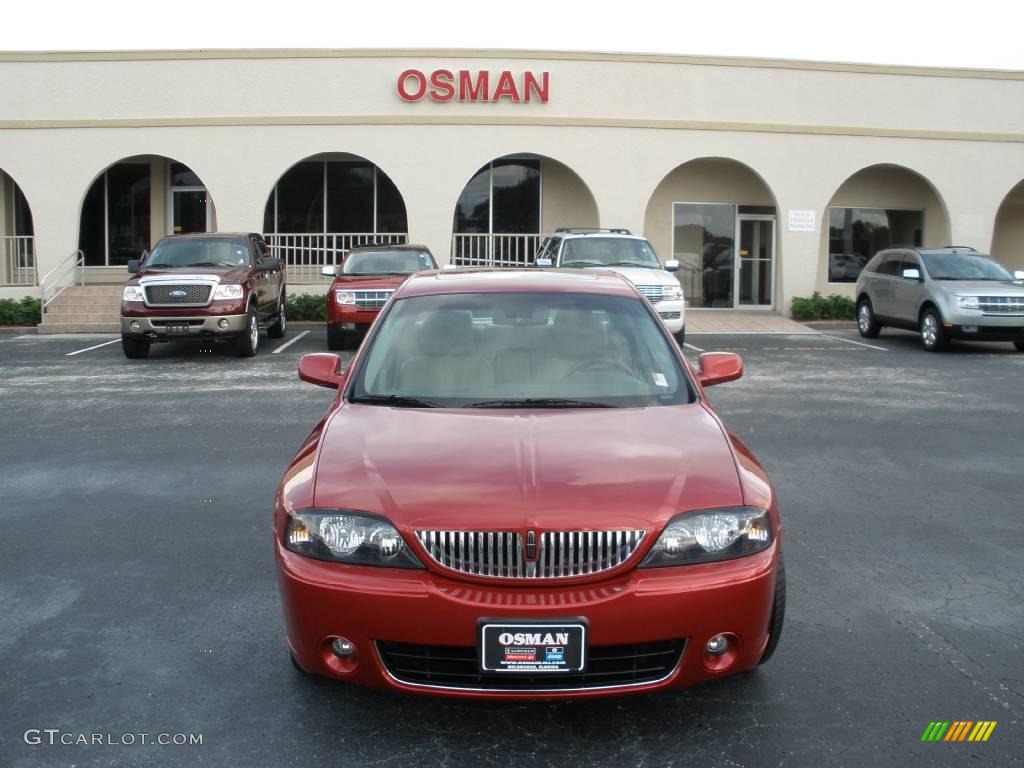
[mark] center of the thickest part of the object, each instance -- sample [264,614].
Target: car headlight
[345,297]
[710,535]
[228,292]
[342,536]
[968,302]
[134,293]
[671,293]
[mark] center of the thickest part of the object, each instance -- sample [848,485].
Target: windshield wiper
[399,401]
[630,264]
[538,402]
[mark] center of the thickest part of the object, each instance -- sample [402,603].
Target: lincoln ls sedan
[521,490]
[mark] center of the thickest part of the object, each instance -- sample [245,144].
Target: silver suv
[943,293]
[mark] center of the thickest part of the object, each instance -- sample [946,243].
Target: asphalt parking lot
[138,592]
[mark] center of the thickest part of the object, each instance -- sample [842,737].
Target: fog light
[717,645]
[342,648]
[223,323]
[136,325]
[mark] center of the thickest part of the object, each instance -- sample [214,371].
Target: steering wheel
[599,363]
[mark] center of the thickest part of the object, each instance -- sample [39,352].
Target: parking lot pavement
[137,584]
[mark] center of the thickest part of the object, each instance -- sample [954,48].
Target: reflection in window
[703,242]
[857,234]
[503,197]
[116,216]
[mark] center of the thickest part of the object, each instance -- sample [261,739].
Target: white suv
[632,257]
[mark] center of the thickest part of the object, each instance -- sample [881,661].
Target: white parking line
[288,343]
[695,349]
[851,341]
[97,346]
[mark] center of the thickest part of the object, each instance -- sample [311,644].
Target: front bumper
[369,605]
[672,314]
[350,314]
[199,327]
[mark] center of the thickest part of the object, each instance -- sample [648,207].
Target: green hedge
[307,306]
[818,307]
[28,311]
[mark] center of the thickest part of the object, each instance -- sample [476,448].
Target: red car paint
[524,469]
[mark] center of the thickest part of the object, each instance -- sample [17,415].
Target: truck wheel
[277,329]
[248,343]
[778,613]
[335,337]
[134,348]
[680,336]
[933,336]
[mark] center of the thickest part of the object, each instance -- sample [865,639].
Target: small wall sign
[801,221]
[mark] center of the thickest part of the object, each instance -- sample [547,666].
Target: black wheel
[680,336]
[933,335]
[134,348]
[336,338]
[867,323]
[1019,344]
[778,613]
[277,328]
[247,344]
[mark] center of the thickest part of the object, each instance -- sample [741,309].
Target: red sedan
[521,490]
[363,285]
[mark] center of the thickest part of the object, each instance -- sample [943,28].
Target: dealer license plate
[532,647]
[180,329]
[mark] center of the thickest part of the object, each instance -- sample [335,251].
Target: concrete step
[79,328]
[72,315]
[91,290]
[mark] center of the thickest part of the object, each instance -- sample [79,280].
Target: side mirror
[330,271]
[133,266]
[911,274]
[719,367]
[1019,274]
[270,263]
[672,265]
[322,369]
[449,266]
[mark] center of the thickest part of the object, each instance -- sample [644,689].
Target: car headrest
[446,332]
[579,334]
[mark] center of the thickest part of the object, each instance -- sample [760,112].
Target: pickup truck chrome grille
[372,299]
[508,555]
[175,294]
[653,293]
[1001,305]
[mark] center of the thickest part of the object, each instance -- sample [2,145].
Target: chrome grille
[1001,305]
[170,293]
[560,554]
[372,299]
[651,292]
[669,315]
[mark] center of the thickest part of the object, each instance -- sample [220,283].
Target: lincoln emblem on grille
[531,545]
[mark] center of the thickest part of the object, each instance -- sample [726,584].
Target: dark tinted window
[856,234]
[890,265]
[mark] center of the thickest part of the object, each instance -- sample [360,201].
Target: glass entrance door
[188,211]
[755,261]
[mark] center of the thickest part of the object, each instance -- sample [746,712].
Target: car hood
[643,275]
[223,274]
[982,287]
[369,282]
[461,469]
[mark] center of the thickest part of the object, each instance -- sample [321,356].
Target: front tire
[248,343]
[778,613]
[134,349]
[933,335]
[336,339]
[680,336]
[867,324]
[277,329]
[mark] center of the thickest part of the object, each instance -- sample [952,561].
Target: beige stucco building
[767,179]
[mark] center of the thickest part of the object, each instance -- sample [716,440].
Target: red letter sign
[421,80]
[442,80]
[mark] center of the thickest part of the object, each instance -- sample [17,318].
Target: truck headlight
[968,302]
[133,293]
[671,293]
[710,535]
[343,536]
[345,297]
[228,292]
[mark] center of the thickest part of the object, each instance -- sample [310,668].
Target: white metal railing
[305,254]
[17,260]
[494,250]
[71,271]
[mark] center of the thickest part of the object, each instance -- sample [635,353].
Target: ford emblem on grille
[178,294]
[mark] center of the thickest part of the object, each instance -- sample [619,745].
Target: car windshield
[199,252]
[963,266]
[593,251]
[520,350]
[397,262]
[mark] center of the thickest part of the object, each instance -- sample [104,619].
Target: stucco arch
[1008,231]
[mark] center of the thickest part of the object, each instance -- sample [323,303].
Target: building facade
[766,179]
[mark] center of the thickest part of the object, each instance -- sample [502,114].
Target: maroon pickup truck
[364,283]
[207,287]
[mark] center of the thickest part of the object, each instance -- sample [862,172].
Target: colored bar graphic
[958,730]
